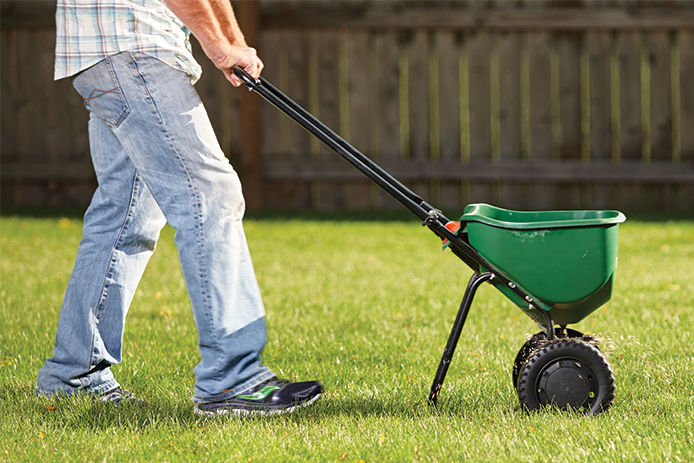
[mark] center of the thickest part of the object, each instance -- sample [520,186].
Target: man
[157,159]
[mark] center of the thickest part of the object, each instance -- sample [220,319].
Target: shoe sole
[251,412]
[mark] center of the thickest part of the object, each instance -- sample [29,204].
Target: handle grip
[245,78]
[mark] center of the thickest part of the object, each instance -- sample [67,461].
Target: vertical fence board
[629,45]
[657,49]
[686,91]
[511,193]
[273,56]
[598,53]
[295,140]
[374,110]
[8,65]
[538,51]
[357,192]
[327,43]
[570,139]
[386,51]
[418,55]
[77,148]
[686,63]
[447,52]
[52,119]
[479,47]
[274,123]
[25,118]
[658,44]
[598,46]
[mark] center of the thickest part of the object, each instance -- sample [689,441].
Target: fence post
[251,163]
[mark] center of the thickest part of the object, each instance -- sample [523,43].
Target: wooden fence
[535,104]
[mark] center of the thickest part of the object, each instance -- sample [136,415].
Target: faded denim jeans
[157,160]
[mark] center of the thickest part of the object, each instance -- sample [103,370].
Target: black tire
[532,344]
[568,373]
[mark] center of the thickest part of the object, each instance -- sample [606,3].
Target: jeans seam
[197,206]
[114,77]
[109,270]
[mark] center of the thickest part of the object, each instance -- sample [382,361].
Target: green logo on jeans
[260,394]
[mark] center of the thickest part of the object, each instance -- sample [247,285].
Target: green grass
[365,307]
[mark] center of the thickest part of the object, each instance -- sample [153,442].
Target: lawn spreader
[556,266]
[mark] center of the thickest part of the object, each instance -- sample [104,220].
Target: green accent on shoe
[260,394]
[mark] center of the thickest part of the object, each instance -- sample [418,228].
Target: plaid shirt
[88,31]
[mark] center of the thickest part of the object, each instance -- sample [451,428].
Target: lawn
[365,307]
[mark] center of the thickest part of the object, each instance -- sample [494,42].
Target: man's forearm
[211,21]
[215,26]
[227,22]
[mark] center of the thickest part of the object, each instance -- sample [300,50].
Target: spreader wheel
[568,373]
[534,342]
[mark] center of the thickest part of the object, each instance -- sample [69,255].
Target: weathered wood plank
[327,168]
[656,49]
[386,67]
[357,192]
[275,58]
[447,50]
[540,113]
[569,49]
[327,45]
[686,103]
[597,48]
[295,140]
[568,108]
[418,138]
[630,94]
[39,13]
[686,91]
[484,170]
[489,19]
[479,48]
[511,193]
[8,141]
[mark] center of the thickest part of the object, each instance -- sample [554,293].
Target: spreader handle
[245,78]
[352,155]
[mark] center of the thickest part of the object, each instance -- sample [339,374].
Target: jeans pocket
[102,94]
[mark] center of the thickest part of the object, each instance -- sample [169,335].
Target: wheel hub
[566,383]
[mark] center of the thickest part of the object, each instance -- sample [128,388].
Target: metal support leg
[475,281]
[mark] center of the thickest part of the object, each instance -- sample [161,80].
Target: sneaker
[118,395]
[272,397]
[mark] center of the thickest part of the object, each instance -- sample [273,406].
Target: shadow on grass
[84,413]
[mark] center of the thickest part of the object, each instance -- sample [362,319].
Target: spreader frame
[434,219]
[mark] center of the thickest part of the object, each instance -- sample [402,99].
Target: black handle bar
[431,217]
[355,157]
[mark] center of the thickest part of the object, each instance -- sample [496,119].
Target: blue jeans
[157,159]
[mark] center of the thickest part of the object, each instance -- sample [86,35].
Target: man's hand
[238,55]
[214,25]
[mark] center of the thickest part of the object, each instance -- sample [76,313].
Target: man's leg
[121,227]
[158,118]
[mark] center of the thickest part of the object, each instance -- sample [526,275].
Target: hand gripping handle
[245,78]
